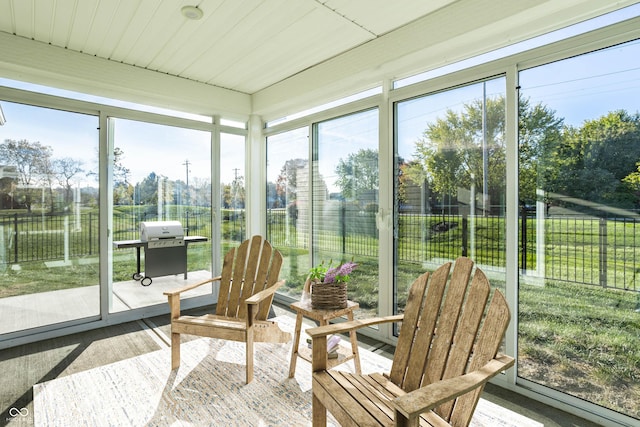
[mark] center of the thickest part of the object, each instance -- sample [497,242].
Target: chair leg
[319,413]
[175,351]
[249,358]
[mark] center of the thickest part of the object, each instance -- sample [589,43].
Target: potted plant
[328,285]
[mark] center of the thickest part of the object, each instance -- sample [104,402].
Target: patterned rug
[207,390]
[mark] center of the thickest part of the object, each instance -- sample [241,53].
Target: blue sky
[588,86]
[581,88]
[147,147]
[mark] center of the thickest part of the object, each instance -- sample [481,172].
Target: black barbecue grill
[165,250]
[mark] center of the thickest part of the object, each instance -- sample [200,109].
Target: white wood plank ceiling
[273,50]
[244,45]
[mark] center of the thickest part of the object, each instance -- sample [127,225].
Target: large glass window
[450,182]
[160,173]
[288,220]
[48,217]
[233,191]
[345,201]
[579,186]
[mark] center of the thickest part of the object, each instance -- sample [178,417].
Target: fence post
[523,237]
[15,238]
[3,260]
[343,225]
[465,237]
[66,239]
[603,252]
[89,227]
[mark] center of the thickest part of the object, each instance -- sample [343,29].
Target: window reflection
[288,204]
[450,186]
[49,216]
[579,189]
[160,173]
[345,202]
[233,189]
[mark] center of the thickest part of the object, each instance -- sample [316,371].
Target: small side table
[323,317]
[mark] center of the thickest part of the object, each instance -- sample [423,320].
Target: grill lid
[155,231]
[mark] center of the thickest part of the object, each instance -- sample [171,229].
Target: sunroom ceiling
[244,45]
[280,52]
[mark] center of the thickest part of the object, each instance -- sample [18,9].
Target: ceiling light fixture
[191,12]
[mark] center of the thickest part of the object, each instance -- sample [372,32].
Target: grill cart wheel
[146,281]
[136,276]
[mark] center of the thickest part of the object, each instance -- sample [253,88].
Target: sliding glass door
[450,182]
[325,210]
[345,201]
[579,183]
[233,213]
[49,216]
[288,205]
[160,173]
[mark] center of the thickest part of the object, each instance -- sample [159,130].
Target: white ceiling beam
[40,63]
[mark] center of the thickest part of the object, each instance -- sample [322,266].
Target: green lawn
[583,339]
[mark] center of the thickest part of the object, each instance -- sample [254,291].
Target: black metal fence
[580,249]
[596,251]
[587,250]
[28,238]
[42,238]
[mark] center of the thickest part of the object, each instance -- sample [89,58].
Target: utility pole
[186,165]
[234,188]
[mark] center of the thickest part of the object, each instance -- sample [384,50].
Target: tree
[413,190]
[147,190]
[287,181]
[596,158]
[540,135]
[31,160]
[202,188]
[237,192]
[66,169]
[452,151]
[120,172]
[122,189]
[632,183]
[358,175]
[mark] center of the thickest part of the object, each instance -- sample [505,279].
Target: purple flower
[330,275]
[346,268]
[325,274]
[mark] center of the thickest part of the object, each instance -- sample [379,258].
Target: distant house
[8,180]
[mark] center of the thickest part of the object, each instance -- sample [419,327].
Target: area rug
[207,390]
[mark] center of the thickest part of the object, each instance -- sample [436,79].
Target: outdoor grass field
[574,334]
[582,339]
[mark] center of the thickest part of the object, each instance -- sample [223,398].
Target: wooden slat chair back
[248,282]
[447,350]
[252,267]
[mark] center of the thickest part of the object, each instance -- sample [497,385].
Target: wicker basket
[328,296]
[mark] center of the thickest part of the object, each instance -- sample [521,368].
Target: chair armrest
[352,325]
[189,287]
[174,296]
[413,404]
[264,294]
[319,336]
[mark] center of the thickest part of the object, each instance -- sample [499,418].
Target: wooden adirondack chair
[248,282]
[446,352]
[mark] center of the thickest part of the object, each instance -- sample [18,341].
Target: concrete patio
[45,308]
